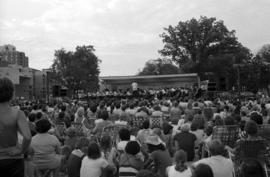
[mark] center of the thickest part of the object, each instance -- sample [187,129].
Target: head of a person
[32,117]
[104,115]
[180,158]
[80,111]
[146,124]
[208,130]
[132,148]
[216,147]
[106,142]
[61,116]
[93,108]
[229,120]
[251,128]
[167,128]
[243,114]
[156,108]
[124,107]
[237,119]
[202,170]
[124,134]
[43,126]
[256,118]
[93,151]
[146,173]
[71,132]
[219,121]
[65,150]
[251,168]
[6,90]
[175,104]
[82,144]
[63,108]
[39,115]
[189,117]
[226,108]
[194,126]
[102,105]
[118,105]
[185,128]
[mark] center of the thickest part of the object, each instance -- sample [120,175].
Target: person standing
[12,121]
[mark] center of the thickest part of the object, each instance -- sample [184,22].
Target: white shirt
[92,167]
[173,173]
[221,166]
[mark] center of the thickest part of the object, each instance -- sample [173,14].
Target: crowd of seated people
[171,136]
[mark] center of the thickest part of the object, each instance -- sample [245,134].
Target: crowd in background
[171,133]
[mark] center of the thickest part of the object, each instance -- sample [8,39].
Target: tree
[194,43]
[264,53]
[77,70]
[159,67]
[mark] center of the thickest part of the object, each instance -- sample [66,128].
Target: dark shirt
[74,165]
[162,160]
[186,142]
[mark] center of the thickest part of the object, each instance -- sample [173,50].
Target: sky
[125,33]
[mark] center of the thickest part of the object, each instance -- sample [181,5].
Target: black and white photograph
[135,88]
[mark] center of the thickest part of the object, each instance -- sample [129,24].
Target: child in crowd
[94,165]
[168,138]
[71,138]
[180,169]
[130,163]
[124,135]
[108,151]
[159,155]
[76,156]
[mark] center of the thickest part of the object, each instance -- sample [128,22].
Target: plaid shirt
[228,135]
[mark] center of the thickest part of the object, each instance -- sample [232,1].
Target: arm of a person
[57,147]
[167,171]
[148,162]
[24,129]
[95,130]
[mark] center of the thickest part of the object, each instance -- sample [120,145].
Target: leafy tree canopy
[159,67]
[264,53]
[77,70]
[196,44]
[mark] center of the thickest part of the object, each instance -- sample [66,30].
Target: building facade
[9,54]
[22,79]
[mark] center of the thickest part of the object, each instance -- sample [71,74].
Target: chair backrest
[137,122]
[264,132]
[227,134]
[252,149]
[156,122]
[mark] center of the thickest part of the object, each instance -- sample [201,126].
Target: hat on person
[185,127]
[153,139]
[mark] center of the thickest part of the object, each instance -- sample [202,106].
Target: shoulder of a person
[19,113]
[53,137]
[205,160]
